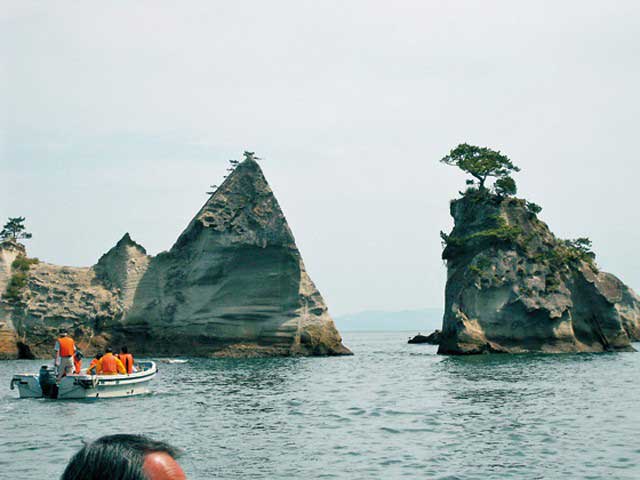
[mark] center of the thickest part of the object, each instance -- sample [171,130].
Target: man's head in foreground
[125,457]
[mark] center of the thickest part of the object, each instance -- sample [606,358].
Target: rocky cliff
[234,284]
[9,342]
[513,287]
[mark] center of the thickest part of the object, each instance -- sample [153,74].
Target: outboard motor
[47,379]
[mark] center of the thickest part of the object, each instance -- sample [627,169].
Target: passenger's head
[125,457]
[108,350]
[62,332]
[98,355]
[124,349]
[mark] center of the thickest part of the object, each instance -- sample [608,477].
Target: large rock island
[233,284]
[513,287]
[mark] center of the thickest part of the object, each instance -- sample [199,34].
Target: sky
[117,116]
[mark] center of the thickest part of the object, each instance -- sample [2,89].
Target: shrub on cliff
[533,208]
[14,288]
[567,254]
[505,186]
[18,280]
[498,232]
[23,263]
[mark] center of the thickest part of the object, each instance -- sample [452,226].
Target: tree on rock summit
[14,230]
[482,163]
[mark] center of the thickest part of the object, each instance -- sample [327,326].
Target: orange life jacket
[94,363]
[78,364]
[127,361]
[109,365]
[67,346]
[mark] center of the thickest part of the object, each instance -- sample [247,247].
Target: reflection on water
[393,410]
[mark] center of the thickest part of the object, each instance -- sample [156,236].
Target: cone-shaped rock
[234,284]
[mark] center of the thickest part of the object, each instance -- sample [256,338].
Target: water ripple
[391,411]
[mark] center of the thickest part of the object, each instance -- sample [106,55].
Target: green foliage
[567,253]
[18,280]
[581,248]
[477,195]
[480,266]
[16,283]
[475,271]
[480,162]
[23,263]
[551,283]
[14,230]
[505,186]
[250,155]
[501,232]
[534,208]
[444,239]
[483,263]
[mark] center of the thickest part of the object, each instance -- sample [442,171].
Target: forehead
[161,466]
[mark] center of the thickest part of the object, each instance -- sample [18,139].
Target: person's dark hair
[124,349]
[115,457]
[108,350]
[98,355]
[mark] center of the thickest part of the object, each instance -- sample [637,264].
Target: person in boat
[125,457]
[94,366]
[126,358]
[77,362]
[65,350]
[110,364]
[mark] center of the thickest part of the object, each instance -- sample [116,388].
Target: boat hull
[88,386]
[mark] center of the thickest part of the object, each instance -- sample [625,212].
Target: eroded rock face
[234,284]
[513,287]
[9,251]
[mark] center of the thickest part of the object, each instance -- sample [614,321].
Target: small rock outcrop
[234,284]
[513,287]
[433,338]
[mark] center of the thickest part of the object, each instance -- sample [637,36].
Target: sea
[392,410]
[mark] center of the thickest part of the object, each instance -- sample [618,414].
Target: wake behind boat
[44,384]
[174,360]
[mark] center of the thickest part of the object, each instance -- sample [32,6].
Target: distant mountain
[424,320]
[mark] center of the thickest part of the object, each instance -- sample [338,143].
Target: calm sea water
[391,411]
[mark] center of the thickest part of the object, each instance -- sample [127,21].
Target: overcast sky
[117,116]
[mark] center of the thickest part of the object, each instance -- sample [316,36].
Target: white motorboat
[44,384]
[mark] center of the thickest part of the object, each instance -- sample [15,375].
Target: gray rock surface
[233,284]
[513,287]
